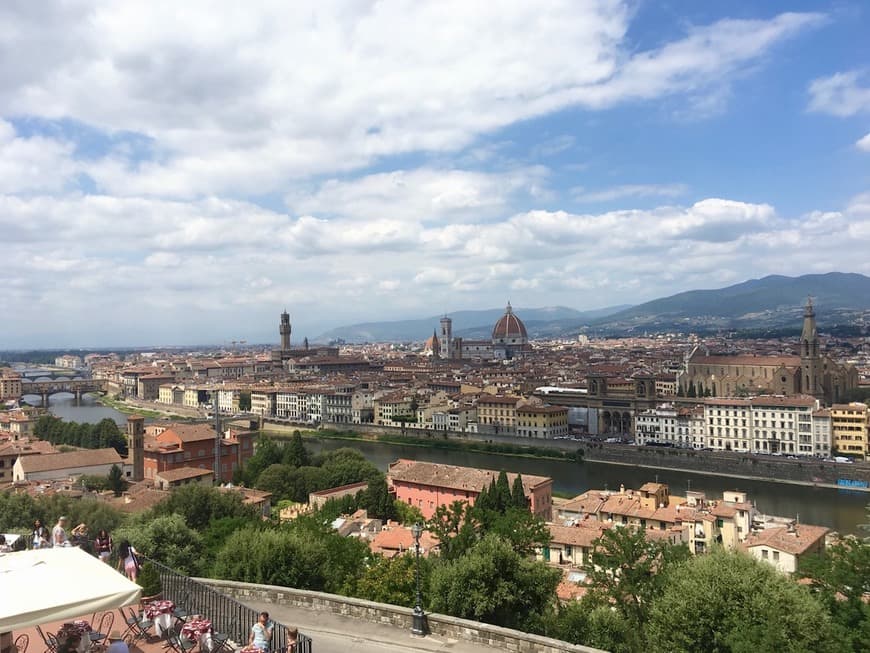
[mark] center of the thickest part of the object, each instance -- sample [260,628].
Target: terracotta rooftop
[794,540]
[182,473]
[777,361]
[583,534]
[70,460]
[453,476]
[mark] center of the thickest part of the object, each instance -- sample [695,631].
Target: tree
[518,494]
[626,570]
[841,580]
[244,402]
[295,453]
[378,501]
[502,496]
[198,505]
[408,514]
[167,539]
[455,527]
[522,530]
[115,480]
[266,452]
[691,392]
[726,601]
[495,584]
[394,581]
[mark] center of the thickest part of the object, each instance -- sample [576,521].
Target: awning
[47,585]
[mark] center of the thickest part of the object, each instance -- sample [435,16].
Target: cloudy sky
[175,173]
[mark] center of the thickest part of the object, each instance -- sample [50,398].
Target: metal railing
[226,614]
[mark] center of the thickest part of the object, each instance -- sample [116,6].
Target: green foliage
[167,539]
[595,624]
[378,501]
[407,514]
[727,601]
[394,581]
[102,435]
[199,505]
[334,508]
[456,529]
[295,453]
[841,579]
[304,554]
[115,480]
[266,453]
[495,584]
[627,570]
[518,494]
[502,496]
[244,401]
[18,511]
[94,483]
[344,466]
[149,580]
[522,530]
[294,484]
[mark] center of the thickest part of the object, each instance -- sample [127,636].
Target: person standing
[261,632]
[103,545]
[58,533]
[128,560]
[117,643]
[39,536]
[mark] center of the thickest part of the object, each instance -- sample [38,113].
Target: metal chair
[176,642]
[136,627]
[49,639]
[21,642]
[220,641]
[99,635]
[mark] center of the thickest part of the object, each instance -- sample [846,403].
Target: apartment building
[765,424]
[545,422]
[849,429]
[681,427]
[497,414]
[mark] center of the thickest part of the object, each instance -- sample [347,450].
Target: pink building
[429,485]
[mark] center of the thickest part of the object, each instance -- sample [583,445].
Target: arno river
[841,510]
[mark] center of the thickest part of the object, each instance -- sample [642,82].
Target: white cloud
[629,190]
[841,94]
[864,143]
[245,100]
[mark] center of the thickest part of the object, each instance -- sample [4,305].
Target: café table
[160,612]
[79,628]
[200,631]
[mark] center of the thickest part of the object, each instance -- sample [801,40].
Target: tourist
[292,639]
[58,533]
[117,643]
[261,632]
[4,548]
[39,536]
[128,560]
[103,544]
[79,535]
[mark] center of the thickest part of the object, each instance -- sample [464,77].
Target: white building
[53,466]
[681,427]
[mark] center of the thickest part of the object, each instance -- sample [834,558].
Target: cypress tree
[503,492]
[518,493]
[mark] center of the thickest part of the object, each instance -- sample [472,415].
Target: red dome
[509,326]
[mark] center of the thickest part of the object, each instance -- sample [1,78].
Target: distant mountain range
[773,302]
[768,304]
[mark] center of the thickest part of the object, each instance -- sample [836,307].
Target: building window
[764,554]
[776,556]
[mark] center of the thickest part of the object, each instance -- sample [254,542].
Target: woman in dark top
[103,545]
[39,538]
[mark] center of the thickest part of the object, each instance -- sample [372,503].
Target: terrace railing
[226,614]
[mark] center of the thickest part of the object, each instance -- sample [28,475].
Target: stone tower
[284,330]
[136,445]
[810,359]
[446,339]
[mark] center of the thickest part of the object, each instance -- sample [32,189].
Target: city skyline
[176,177]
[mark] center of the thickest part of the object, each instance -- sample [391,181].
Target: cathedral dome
[509,326]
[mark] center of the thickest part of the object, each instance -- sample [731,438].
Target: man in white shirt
[58,533]
[117,644]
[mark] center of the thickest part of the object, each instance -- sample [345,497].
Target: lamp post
[418,622]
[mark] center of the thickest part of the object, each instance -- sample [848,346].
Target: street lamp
[418,623]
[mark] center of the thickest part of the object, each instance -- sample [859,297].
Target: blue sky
[171,174]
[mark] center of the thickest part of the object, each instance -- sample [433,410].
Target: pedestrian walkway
[332,633]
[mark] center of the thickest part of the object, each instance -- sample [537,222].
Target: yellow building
[849,429]
[542,421]
[10,385]
[497,414]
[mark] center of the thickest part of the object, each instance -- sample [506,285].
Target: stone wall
[398,617]
[810,471]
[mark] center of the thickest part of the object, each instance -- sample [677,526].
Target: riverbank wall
[811,471]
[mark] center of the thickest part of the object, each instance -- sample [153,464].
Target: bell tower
[446,338]
[810,361]
[136,445]
[284,329]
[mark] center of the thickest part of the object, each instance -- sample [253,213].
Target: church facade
[810,373]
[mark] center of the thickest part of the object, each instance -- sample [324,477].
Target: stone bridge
[77,387]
